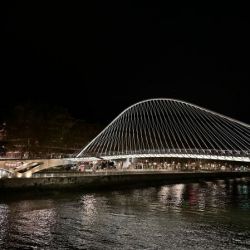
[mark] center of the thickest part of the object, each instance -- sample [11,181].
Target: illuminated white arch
[234,133]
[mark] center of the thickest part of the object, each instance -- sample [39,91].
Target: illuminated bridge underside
[188,156]
[171,128]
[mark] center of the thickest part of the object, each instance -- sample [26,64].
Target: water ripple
[208,215]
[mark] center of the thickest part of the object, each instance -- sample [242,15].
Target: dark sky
[96,58]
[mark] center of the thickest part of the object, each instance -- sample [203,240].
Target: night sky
[96,58]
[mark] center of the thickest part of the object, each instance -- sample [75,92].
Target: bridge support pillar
[128,162]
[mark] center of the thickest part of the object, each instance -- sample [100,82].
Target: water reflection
[4,210]
[21,219]
[172,196]
[88,208]
[183,216]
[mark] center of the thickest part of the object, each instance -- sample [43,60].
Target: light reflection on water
[211,215]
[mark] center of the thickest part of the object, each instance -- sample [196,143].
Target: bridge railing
[35,157]
[235,153]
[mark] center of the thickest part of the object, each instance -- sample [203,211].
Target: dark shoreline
[116,180]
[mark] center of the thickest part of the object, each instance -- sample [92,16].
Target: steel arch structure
[164,127]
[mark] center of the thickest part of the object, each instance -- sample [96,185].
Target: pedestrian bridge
[25,168]
[159,128]
[171,128]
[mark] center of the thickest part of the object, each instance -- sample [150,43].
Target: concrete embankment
[112,179]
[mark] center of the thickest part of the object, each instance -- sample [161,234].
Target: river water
[207,215]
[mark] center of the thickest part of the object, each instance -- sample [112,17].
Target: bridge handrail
[179,151]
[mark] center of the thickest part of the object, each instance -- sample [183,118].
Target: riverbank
[112,179]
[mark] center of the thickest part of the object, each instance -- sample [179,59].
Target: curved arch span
[168,125]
